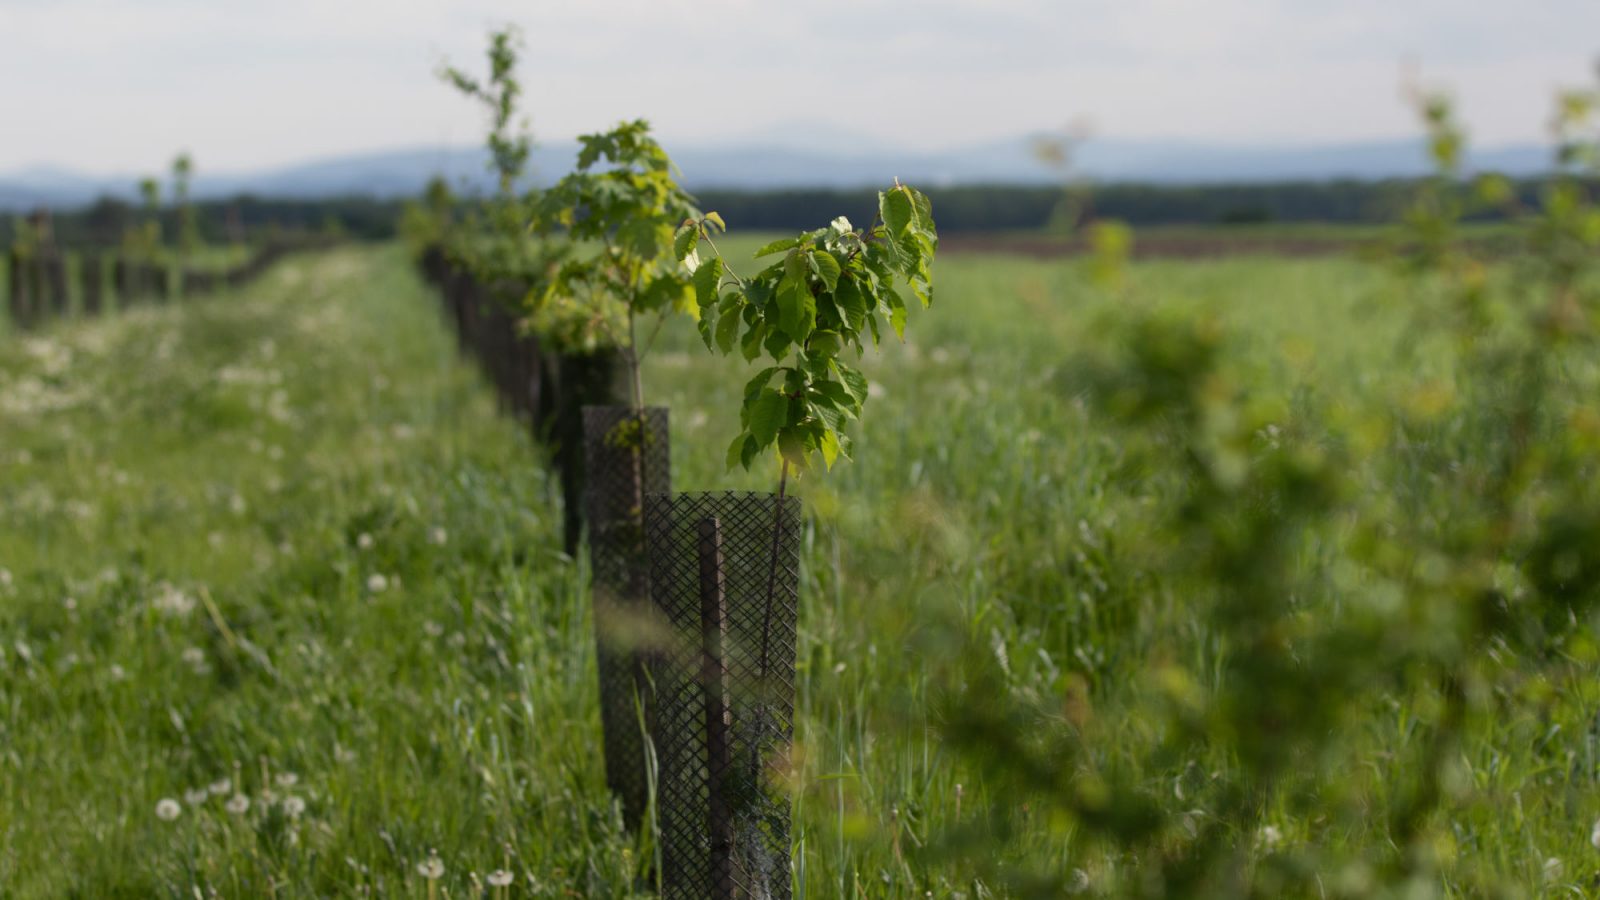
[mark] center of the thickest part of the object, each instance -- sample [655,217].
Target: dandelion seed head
[1594,835]
[220,786]
[196,796]
[287,779]
[167,809]
[500,878]
[377,583]
[431,868]
[293,807]
[437,536]
[238,804]
[364,541]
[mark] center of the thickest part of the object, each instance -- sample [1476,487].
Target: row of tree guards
[39,281]
[695,598]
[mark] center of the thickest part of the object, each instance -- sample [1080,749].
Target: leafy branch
[833,288]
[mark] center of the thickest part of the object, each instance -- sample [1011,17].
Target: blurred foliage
[1434,556]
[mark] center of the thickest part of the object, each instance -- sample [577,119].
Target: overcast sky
[119,85]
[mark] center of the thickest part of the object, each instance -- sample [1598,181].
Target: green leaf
[716,220]
[728,329]
[896,209]
[767,414]
[706,280]
[897,312]
[839,395]
[736,451]
[703,325]
[750,452]
[685,240]
[750,346]
[755,385]
[777,343]
[795,266]
[792,446]
[855,383]
[826,343]
[797,309]
[850,302]
[777,247]
[829,445]
[827,270]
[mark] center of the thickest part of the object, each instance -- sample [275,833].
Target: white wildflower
[167,809]
[377,583]
[1269,837]
[293,807]
[364,541]
[171,601]
[1552,869]
[238,804]
[500,878]
[116,672]
[1594,835]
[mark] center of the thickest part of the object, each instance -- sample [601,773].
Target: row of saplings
[38,278]
[695,594]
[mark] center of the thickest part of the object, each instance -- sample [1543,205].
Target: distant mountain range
[766,164]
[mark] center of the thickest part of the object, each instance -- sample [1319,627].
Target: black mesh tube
[724,578]
[627,455]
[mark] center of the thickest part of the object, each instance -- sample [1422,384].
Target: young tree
[618,210]
[188,224]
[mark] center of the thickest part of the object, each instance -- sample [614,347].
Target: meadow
[283,610]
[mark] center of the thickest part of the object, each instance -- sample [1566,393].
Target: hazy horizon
[114,89]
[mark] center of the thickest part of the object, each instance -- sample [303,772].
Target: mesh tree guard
[724,577]
[19,290]
[54,274]
[92,272]
[627,454]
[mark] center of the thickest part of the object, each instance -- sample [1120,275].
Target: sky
[109,86]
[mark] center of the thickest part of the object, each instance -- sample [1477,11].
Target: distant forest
[960,209]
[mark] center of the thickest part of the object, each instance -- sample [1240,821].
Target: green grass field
[274,557]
